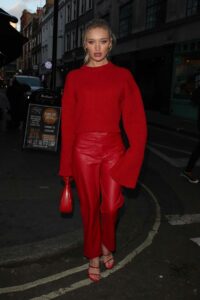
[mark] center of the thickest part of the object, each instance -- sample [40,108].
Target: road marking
[171,161]
[170,148]
[152,233]
[41,281]
[54,294]
[183,219]
[175,162]
[196,240]
[43,187]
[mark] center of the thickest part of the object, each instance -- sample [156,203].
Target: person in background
[4,109]
[96,96]
[16,96]
[187,172]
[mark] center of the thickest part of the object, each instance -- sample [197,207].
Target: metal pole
[54,46]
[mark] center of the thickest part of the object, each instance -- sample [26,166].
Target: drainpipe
[54,46]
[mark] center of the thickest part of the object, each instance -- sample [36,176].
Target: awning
[11,41]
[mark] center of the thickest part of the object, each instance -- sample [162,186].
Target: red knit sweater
[95,99]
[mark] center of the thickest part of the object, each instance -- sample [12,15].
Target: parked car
[33,82]
[19,92]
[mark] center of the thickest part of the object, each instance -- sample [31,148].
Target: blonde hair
[97,23]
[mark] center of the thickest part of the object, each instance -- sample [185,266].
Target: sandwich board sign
[42,127]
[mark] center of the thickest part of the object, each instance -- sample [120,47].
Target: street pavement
[31,226]
[172,123]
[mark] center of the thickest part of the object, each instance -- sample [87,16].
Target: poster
[42,127]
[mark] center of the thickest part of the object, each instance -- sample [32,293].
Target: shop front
[186,71]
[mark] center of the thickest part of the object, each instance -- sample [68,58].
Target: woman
[95,98]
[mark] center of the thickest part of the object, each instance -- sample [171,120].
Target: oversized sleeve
[67,126]
[126,170]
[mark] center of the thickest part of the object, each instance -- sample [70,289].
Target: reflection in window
[193,7]
[156,13]
[125,20]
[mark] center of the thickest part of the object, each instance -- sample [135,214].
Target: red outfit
[94,100]
[94,154]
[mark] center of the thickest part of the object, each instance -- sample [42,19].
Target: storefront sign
[42,127]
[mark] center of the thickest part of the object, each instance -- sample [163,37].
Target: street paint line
[171,161]
[175,162]
[196,240]
[85,282]
[148,241]
[43,187]
[183,219]
[30,285]
[170,148]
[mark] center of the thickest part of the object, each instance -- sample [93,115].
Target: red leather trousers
[100,196]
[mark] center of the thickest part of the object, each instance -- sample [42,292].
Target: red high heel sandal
[94,276]
[108,261]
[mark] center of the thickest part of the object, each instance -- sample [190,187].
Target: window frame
[125,18]
[155,13]
[190,7]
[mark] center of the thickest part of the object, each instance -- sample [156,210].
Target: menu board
[42,127]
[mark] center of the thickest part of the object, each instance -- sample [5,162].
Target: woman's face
[97,43]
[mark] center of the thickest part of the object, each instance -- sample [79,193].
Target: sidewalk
[30,188]
[31,226]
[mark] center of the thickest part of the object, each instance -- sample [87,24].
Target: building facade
[30,28]
[158,40]
[78,14]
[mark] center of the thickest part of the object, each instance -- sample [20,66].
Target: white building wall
[61,28]
[47,36]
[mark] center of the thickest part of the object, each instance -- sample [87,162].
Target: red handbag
[66,205]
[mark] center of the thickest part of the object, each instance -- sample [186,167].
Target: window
[193,7]
[80,35]
[74,9]
[68,41]
[156,13]
[186,68]
[88,4]
[82,7]
[73,41]
[125,20]
[68,12]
